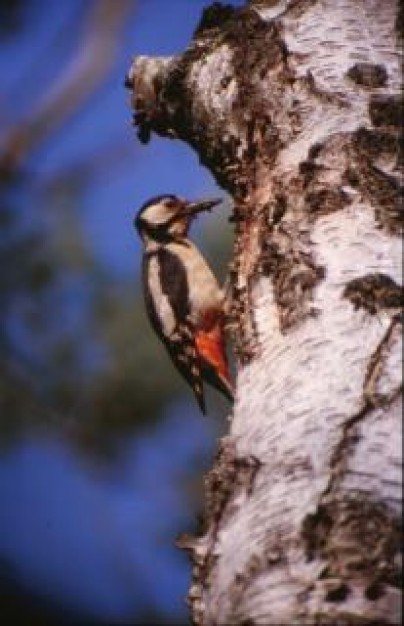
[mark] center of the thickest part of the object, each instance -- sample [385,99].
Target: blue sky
[158,27]
[100,539]
[97,538]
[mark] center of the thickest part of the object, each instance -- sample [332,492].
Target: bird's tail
[225,385]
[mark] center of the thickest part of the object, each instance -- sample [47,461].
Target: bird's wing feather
[167,304]
[184,353]
[174,283]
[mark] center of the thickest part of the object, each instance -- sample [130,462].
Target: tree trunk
[295,108]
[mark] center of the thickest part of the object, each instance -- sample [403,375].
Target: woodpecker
[182,296]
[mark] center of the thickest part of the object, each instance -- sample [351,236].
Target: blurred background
[102,447]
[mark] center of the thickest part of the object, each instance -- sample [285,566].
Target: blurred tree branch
[86,72]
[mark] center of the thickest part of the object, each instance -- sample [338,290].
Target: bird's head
[167,217]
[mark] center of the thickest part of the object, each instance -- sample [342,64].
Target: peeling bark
[295,108]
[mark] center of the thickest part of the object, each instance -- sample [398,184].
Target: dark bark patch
[337,593]
[351,177]
[321,197]
[386,110]
[399,25]
[309,170]
[366,151]
[373,143]
[374,591]
[214,16]
[365,538]
[327,200]
[359,538]
[279,209]
[368,75]
[381,189]
[295,8]
[294,276]
[315,530]
[315,150]
[257,44]
[373,292]
[394,578]
[387,195]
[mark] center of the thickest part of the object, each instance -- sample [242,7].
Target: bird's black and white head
[167,217]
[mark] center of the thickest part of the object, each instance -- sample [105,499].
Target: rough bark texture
[295,108]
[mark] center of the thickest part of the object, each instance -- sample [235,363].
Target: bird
[183,299]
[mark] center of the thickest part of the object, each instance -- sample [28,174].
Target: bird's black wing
[183,352]
[180,343]
[174,283]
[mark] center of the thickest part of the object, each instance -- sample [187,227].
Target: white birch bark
[295,107]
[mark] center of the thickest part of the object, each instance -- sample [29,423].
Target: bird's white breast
[203,289]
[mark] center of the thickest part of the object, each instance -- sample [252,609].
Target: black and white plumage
[183,299]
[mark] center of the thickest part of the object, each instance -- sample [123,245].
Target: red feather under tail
[211,349]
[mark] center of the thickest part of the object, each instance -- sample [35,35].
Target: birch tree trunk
[295,108]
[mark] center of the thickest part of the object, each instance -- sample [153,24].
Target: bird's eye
[171,203]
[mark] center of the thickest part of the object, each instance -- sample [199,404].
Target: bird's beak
[193,208]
